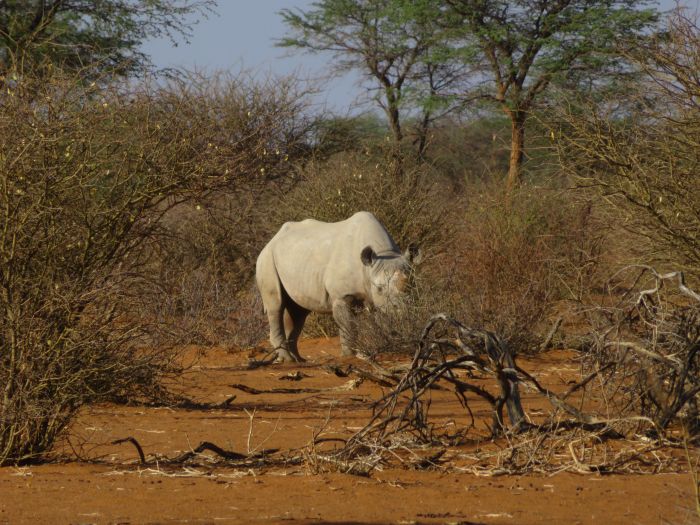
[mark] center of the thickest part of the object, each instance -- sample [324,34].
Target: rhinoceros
[314,266]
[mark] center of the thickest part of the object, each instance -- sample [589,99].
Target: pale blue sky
[242,35]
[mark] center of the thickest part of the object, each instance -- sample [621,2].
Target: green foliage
[524,45]
[78,34]
[395,43]
[422,54]
[357,29]
[360,132]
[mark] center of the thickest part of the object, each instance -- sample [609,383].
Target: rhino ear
[368,256]
[414,254]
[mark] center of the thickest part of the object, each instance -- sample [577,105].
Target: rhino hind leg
[285,326]
[275,317]
[274,298]
[294,319]
[277,336]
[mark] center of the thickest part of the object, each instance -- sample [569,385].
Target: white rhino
[314,266]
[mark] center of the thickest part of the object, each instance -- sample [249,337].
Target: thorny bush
[648,343]
[412,207]
[88,171]
[204,270]
[641,151]
[512,262]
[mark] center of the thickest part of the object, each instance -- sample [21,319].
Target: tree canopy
[521,46]
[392,42]
[81,33]
[422,52]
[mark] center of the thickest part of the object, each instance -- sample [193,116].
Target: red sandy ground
[112,488]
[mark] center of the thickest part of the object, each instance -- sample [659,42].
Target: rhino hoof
[285,356]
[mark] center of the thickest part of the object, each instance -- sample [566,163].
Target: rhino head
[388,274]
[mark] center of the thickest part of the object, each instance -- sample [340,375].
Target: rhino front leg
[344,316]
[294,318]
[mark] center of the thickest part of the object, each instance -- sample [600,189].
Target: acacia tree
[522,46]
[436,88]
[78,33]
[390,41]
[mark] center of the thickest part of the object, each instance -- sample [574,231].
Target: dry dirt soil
[109,486]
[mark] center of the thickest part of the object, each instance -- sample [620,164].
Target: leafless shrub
[413,208]
[87,173]
[641,149]
[470,151]
[397,330]
[205,307]
[203,270]
[513,261]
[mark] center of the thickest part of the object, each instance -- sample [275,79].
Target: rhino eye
[380,289]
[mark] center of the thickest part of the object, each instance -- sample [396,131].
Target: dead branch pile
[450,356]
[440,361]
[471,361]
[649,344]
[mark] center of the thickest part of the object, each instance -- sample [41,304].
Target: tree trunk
[395,124]
[517,147]
[397,132]
[421,141]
